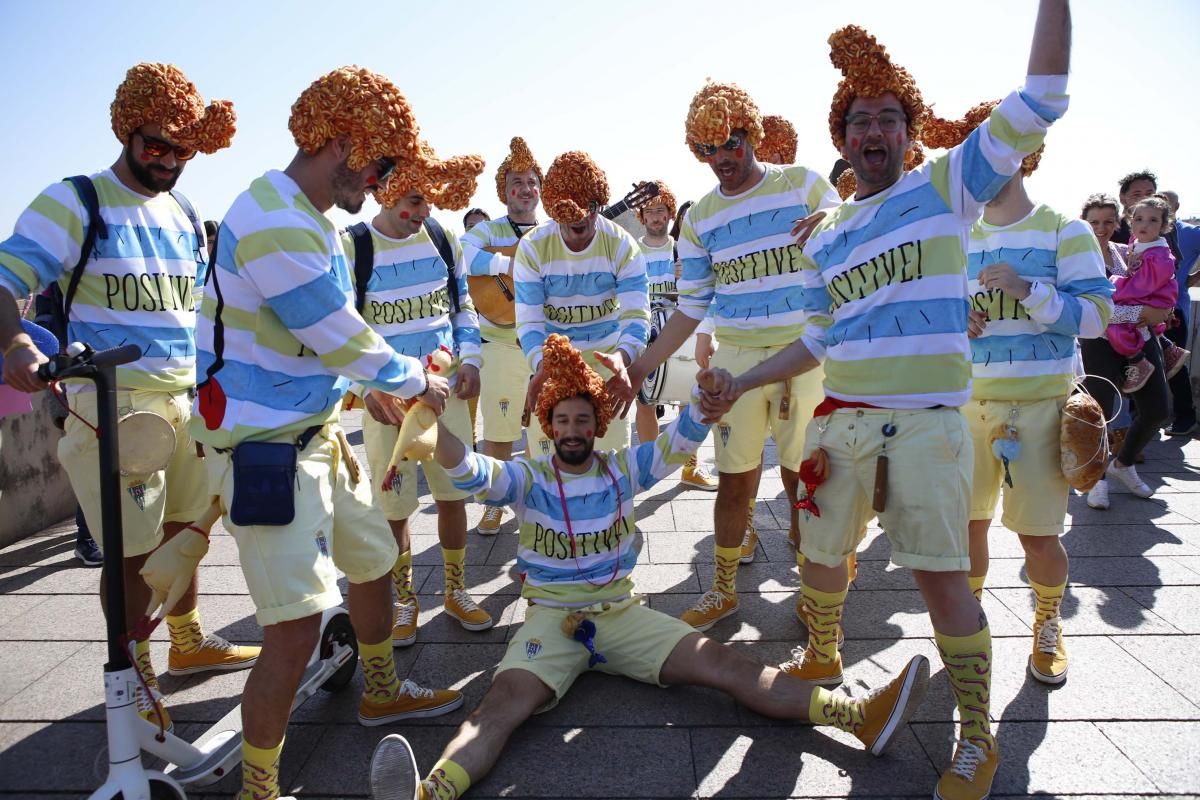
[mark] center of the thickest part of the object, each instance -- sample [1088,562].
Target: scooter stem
[110,516]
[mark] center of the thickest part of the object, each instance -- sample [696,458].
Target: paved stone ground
[1126,723]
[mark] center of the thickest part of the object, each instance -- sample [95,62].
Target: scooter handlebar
[82,359]
[116,356]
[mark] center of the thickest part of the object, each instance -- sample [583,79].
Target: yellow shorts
[616,437]
[400,501]
[178,493]
[634,639]
[1036,503]
[292,570]
[929,485]
[741,434]
[503,384]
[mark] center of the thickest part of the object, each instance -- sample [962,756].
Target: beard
[147,178]
[574,457]
[348,194]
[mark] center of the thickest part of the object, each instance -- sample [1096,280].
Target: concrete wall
[34,492]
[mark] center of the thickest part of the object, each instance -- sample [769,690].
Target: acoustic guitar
[493,295]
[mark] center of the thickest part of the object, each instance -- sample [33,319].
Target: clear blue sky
[611,78]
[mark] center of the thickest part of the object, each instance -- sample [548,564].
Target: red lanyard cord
[562,496]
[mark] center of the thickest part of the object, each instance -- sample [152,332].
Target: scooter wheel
[339,630]
[161,790]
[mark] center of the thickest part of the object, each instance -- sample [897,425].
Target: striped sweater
[1027,350]
[739,256]
[492,233]
[885,276]
[407,299]
[139,287]
[596,298]
[660,266]
[602,536]
[293,341]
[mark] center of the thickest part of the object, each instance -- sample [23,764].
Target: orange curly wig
[717,110]
[359,104]
[567,376]
[779,141]
[868,71]
[664,198]
[847,182]
[519,159]
[161,94]
[947,133]
[446,184]
[572,182]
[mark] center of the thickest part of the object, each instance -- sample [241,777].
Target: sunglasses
[706,150]
[157,148]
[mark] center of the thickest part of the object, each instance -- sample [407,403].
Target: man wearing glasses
[279,343]
[136,287]
[738,254]
[582,276]
[886,310]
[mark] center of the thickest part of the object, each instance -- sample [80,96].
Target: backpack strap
[197,226]
[94,228]
[364,262]
[438,236]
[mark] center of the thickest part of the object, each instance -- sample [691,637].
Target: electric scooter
[219,749]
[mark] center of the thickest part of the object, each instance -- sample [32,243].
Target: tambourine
[147,442]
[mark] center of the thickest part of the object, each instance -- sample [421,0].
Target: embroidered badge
[532,648]
[138,492]
[545,447]
[323,544]
[397,481]
[724,434]
[504,406]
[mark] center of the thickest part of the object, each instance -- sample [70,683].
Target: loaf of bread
[1084,440]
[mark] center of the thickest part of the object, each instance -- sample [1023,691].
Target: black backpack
[364,261]
[60,302]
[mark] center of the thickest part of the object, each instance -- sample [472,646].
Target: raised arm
[1050,53]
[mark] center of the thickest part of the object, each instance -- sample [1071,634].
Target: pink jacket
[1153,284]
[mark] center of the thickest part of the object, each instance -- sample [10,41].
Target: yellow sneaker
[460,606]
[887,709]
[1048,663]
[697,477]
[712,607]
[150,706]
[411,701]
[213,655]
[805,665]
[969,776]
[489,525]
[404,623]
[749,541]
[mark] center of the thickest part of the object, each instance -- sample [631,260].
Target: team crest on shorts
[532,648]
[138,492]
[323,544]
[545,447]
[724,430]
[396,483]
[504,406]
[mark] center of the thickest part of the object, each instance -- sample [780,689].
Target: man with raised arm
[886,311]
[576,553]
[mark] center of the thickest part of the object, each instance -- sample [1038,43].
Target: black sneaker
[87,552]
[1182,427]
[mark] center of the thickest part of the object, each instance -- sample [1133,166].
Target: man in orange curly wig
[1054,293]
[488,249]
[886,312]
[419,303]
[136,286]
[576,552]
[583,276]
[738,259]
[277,369]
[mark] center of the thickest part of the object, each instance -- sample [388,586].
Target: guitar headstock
[642,193]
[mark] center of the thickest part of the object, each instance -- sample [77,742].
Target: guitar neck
[615,210]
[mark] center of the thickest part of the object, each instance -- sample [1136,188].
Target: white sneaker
[1129,477]
[1097,496]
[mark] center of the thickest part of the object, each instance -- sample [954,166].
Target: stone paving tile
[17,609]
[1088,610]
[1171,658]
[1176,604]
[1166,752]
[21,666]
[50,757]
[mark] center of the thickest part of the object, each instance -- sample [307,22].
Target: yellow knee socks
[379,671]
[836,709]
[453,561]
[726,560]
[977,582]
[186,633]
[260,772]
[823,616]
[968,661]
[402,577]
[1047,600]
[446,781]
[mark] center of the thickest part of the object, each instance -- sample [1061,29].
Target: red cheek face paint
[588,434]
[740,152]
[854,144]
[404,215]
[513,193]
[371,181]
[144,157]
[896,140]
